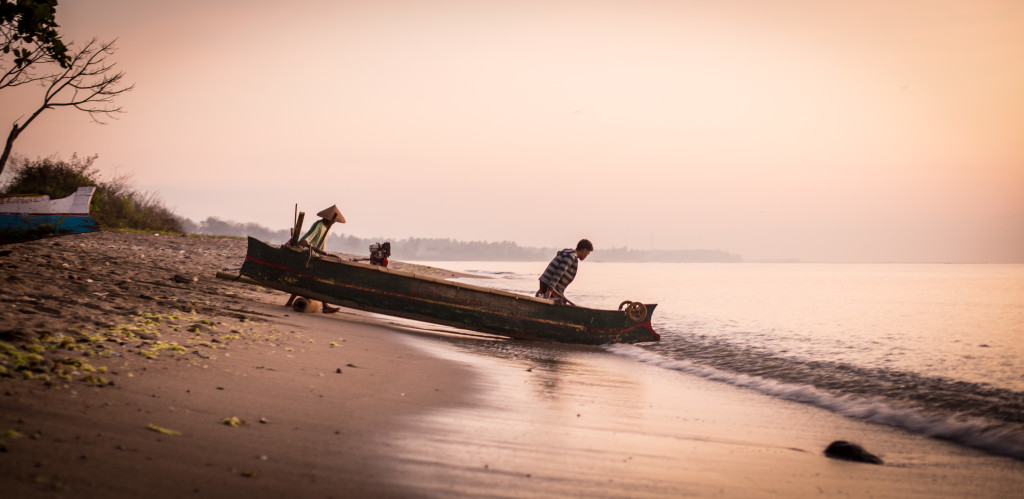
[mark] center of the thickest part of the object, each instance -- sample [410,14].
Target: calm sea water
[934,349]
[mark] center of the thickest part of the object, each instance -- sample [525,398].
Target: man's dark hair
[584,244]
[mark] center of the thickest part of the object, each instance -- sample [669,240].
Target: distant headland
[439,249]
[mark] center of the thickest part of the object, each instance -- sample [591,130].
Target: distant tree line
[437,249]
[115,205]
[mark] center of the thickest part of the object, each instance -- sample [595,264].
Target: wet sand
[121,380]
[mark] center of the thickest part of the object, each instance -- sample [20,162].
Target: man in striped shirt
[562,270]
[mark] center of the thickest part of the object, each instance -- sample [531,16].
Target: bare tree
[88,82]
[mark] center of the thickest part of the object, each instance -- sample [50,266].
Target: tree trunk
[8,146]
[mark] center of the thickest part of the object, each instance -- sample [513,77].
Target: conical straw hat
[328,213]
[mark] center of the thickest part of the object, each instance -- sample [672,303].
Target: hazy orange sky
[824,131]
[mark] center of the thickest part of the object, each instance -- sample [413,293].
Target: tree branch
[87,83]
[21,74]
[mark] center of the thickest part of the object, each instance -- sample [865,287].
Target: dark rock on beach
[841,449]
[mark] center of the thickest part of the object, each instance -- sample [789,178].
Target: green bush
[115,205]
[50,176]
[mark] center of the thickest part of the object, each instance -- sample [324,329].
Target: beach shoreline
[130,370]
[152,377]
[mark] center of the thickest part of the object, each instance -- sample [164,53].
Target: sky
[869,131]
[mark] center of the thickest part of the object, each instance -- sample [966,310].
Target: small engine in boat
[379,253]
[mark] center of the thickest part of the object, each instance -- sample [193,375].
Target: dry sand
[119,380]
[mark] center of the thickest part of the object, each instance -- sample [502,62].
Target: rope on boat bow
[635,310]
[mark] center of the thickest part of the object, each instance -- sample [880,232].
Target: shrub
[50,176]
[115,205]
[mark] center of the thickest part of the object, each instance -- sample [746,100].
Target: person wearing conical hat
[316,239]
[316,236]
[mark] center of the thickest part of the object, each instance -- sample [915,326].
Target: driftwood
[228,276]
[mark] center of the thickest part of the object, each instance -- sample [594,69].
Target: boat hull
[402,294]
[26,218]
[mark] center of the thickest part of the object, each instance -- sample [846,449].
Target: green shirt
[317,235]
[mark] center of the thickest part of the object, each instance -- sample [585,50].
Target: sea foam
[1005,439]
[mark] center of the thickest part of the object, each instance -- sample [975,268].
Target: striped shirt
[561,271]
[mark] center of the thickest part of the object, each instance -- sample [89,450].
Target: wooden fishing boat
[28,217]
[402,294]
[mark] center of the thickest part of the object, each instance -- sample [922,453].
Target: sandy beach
[127,369]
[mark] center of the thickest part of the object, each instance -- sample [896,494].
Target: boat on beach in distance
[386,291]
[35,216]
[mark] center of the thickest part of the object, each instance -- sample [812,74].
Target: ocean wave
[996,437]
